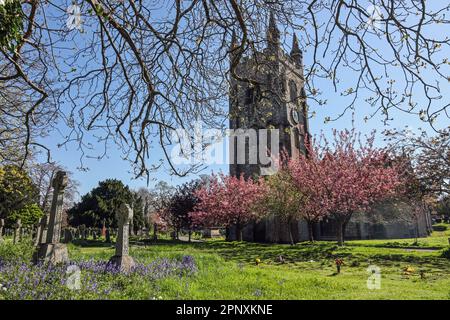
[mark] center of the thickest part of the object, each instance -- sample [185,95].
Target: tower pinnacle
[296,53]
[273,34]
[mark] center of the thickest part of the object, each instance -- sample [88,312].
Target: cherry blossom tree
[307,175]
[357,176]
[228,201]
[345,176]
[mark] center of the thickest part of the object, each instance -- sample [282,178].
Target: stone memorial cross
[122,259]
[52,250]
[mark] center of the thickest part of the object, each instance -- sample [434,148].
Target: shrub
[22,251]
[446,253]
[440,227]
[29,215]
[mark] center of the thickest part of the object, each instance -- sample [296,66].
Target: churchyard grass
[228,270]
[438,239]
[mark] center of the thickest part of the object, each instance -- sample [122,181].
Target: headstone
[40,231]
[122,259]
[68,235]
[17,231]
[52,251]
[2,225]
[83,232]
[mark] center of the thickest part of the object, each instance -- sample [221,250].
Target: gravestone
[17,231]
[68,235]
[2,224]
[83,232]
[52,251]
[122,259]
[41,231]
[107,236]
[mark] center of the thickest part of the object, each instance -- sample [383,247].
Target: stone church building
[277,100]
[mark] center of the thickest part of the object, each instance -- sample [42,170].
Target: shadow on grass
[268,253]
[279,254]
[92,243]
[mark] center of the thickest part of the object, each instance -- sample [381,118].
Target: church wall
[303,233]
[370,225]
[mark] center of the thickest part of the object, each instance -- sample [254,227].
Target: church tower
[273,98]
[268,94]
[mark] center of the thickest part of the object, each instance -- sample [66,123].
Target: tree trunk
[227,234]
[238,232]
[190,235]
[340,232]
[310,231]
[341,225]
[155,230]
[108,234]
[416,229]
[291,237]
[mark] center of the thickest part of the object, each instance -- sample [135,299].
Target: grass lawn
[438,240]
[227,270]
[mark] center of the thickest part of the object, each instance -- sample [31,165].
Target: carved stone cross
[55,221]
[41,235]
[124,216]
[122,259]
[52,251]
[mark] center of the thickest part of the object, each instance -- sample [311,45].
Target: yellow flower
[257,261]
[409,269]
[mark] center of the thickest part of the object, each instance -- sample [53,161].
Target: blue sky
[112,166]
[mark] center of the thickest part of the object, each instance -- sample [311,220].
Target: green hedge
[446,253]
[440,227]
